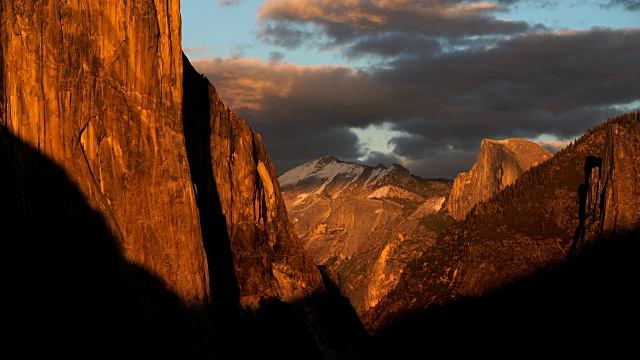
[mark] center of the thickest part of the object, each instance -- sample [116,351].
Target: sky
[419,83]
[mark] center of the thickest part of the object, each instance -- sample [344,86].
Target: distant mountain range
[363,224]
[523,241]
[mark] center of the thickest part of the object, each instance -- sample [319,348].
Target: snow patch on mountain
[377,174]
[325,168]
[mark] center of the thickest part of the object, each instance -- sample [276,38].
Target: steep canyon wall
[141,215]
[100,211]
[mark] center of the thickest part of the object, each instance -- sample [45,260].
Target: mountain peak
[322,169]
[396,166]
[327,159]
[499,163]
[326,168]
[518,145]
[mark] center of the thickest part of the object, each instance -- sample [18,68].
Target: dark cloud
[285,35]
[390,45]
[630,5]
[538,4]
[238,52]
[363,28]
[553,71]
[276,57]
[293,144]
[447,166]
[445,88]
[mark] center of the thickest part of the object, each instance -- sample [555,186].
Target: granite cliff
[364,224]
[269,296]
[499,163]
[610,195]
[232,170]
[142,216]
[101,214]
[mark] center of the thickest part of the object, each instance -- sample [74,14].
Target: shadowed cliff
[196,119]
[268,297]
[232,171]
[68,289]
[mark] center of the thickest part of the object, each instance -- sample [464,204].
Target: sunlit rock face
[611,192]
[233,170]
[363,223]
[499,163]
[97,88]
[141,214]
[91,112]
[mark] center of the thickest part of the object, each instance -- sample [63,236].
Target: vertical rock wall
[267,257]
[126,189]
[96,87]
[610,199]
[98,207]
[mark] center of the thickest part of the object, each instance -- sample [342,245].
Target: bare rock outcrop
[610,196]
[499,163]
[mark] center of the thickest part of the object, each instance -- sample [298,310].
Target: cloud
[447,75]
[276,57]
[306,108]
[375,158]
[228,2]
[356,25]
[556,83]
[237,52]
[554,146]
[196,50]
[630,5]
